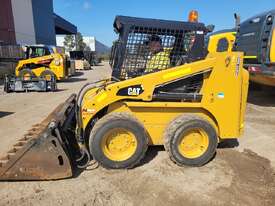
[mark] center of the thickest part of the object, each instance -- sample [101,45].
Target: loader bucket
[46,151]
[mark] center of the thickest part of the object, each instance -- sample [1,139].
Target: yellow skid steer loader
[165,89]
[42,67]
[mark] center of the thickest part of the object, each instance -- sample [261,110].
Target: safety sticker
[220,95]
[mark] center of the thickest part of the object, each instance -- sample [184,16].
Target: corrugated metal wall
[23,21]
[7,33]
[30,22]
[43,21]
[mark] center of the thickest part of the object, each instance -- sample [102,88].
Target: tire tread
[171,129]
[119,116]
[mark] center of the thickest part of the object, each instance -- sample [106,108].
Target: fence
[9,56]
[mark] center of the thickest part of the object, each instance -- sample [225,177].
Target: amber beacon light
[193,16]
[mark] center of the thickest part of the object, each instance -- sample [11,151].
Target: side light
[254,69]
[57,62]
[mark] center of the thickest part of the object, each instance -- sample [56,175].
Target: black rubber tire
[115,120]
[173,135]
[26,71]
[6,84]
[48,72]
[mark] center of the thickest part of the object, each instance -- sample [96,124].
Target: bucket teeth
[5,159]
[33,132]
[12,151]
[19,144]
[40,154]
[25,138]
[3,163]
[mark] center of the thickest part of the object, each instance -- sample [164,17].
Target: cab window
[223,45]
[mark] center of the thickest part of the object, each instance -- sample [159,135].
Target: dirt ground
[242,173]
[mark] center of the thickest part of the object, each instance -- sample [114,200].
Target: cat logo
[133,91]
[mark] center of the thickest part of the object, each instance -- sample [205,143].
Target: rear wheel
[118,141]
[190,140]
[26,74]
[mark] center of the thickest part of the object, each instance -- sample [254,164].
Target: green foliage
[76,42]
[80,44]
[69,42]
[87,48]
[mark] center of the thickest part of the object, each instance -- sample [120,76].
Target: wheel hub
[48,77]
[193,144]
[26,77]
[119,144]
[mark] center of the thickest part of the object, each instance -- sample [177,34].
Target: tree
[80,44]
[69,42]
[87,48]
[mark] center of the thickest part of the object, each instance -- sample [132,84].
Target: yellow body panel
[214,40]
[57,65]
[223,102]
[272,48]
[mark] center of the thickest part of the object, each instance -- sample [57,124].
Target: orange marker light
[193,16]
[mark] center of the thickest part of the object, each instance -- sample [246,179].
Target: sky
[96,17]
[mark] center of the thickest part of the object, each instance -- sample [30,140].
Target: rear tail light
[255,69]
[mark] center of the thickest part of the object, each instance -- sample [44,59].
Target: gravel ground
[242,173]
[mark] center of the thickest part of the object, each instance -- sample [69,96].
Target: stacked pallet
[11,51]
[80,64]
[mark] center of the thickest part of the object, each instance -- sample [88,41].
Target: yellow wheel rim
[26,76]
[194,143]
[119,144]
[48,77]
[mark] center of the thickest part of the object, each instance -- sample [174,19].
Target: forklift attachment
[15,84]
[47,151]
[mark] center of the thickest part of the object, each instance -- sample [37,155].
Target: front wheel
[118,141]
[26,74]
[190,140]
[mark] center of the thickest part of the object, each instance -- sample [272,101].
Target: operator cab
[34,51]
[179,43]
